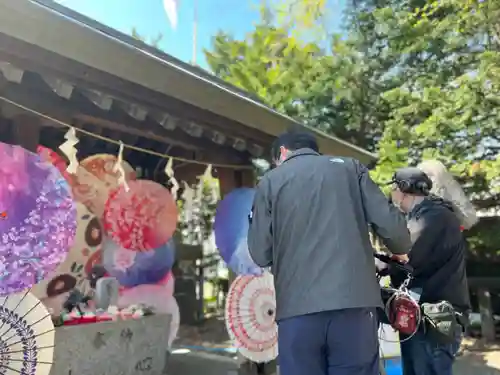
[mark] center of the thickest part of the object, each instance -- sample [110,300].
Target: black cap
[416,180]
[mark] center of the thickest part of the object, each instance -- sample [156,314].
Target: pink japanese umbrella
[142,218]
[102,166]
[250,317]
[39,223]
[96,178]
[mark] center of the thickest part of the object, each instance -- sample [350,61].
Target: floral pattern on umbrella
[83,255]
[95,179]
[250,317]
[141,219]
[57,161]
[133,268]
[40,224]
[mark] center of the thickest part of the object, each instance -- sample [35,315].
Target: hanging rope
[118,143]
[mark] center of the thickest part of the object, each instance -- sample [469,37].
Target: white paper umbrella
[26,336]
[250,317]
[445,186]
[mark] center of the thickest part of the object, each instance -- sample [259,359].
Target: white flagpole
[195,32]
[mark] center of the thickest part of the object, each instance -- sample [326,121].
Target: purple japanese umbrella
[231,231]
[38,221]
[132,268]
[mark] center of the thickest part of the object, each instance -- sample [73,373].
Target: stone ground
[474,359]
[479,363]
[202,364]
[478,359]
[211,334]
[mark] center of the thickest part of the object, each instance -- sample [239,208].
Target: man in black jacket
[438,259]
[309,223]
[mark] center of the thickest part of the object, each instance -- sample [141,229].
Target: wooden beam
[66,111]
[89,112]
[92,114]
[206,157]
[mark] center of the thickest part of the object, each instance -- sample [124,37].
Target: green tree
[446,105]
[307,19]
[268,63]
[411,79]
[330,89]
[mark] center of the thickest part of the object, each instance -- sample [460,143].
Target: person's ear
[283,152]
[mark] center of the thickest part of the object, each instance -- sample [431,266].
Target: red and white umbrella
[142,218]
[250,317]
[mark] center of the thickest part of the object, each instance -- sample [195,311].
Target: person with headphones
[310,223]
[437,257]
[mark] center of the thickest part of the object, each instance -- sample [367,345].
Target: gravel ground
[475,358]
[210,364]
[202,364]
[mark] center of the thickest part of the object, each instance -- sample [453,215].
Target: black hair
[293,140]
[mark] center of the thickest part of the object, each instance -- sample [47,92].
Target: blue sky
[148,17]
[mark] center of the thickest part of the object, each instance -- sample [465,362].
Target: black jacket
[437,254]
[309,223]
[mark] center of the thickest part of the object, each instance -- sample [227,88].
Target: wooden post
[26,131]
[227,181]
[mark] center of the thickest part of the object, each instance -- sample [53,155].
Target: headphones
[414,187]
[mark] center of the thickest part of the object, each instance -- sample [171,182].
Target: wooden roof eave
[76,110]
[56,32]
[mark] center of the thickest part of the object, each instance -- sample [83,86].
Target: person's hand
[401,258]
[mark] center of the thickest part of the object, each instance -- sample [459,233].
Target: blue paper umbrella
[231,231]
[132,268]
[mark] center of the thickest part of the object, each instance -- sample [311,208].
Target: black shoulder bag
[440,322]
